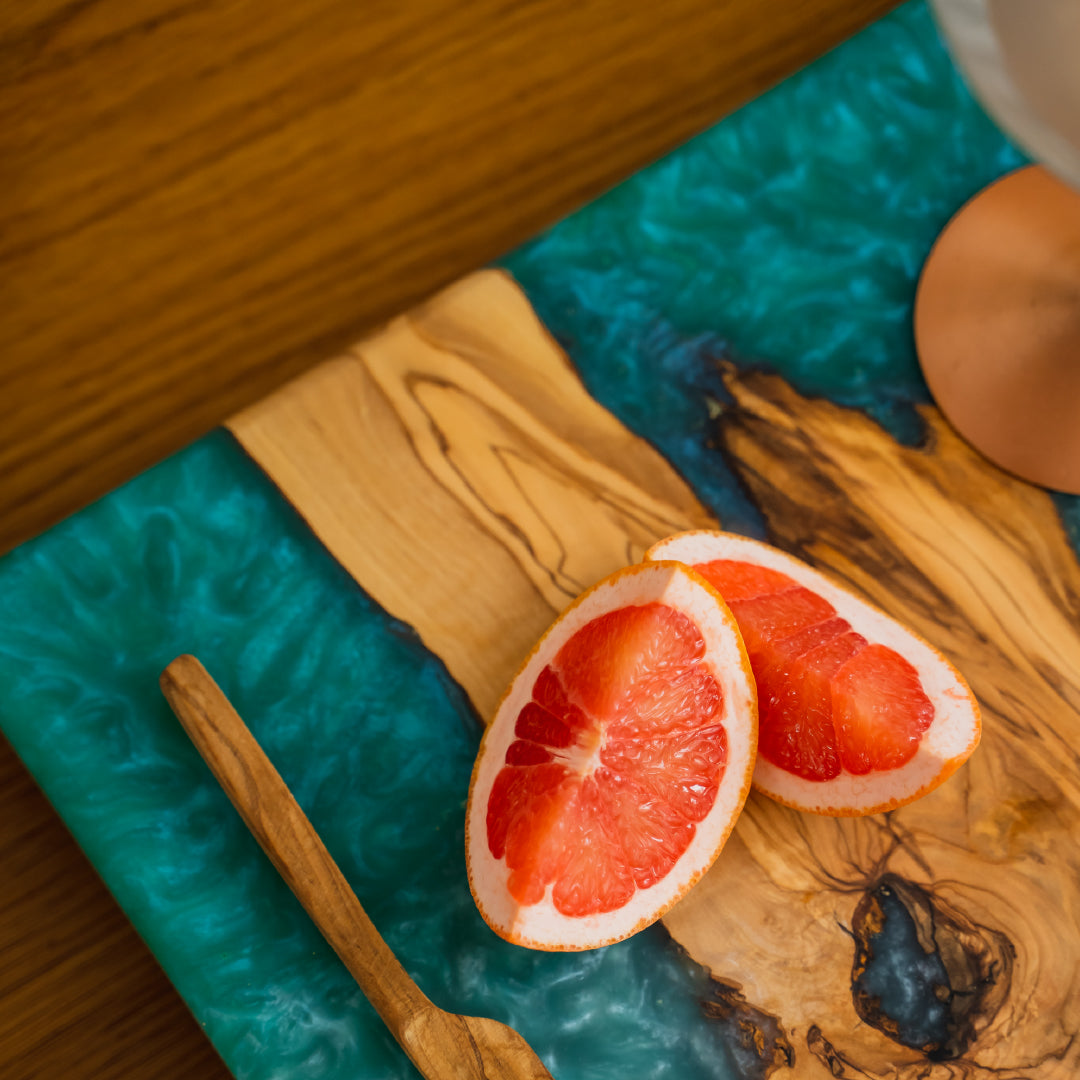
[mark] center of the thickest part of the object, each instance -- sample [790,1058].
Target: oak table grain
[198,200]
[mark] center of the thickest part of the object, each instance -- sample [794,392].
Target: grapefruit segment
[857,714]
[682,700]
[538,725]
[771,617]
[523,752]
[810,637]
[880,710]
[740,580]
[795,699]
[684,770]
[593,876]
[604,665]
[615,765]
[652,834]
[533,839]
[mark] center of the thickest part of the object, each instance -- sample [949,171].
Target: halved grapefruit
[857,714]
[616,764]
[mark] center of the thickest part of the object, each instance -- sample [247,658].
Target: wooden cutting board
[457,468]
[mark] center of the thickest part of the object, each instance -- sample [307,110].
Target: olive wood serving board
[457,468]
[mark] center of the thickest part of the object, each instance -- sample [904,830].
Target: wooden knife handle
[285,834]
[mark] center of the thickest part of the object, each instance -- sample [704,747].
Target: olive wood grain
[463,420]
[988,865]
[442,1045]
[458,469]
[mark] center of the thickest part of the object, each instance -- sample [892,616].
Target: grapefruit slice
[857,714]
[616,764]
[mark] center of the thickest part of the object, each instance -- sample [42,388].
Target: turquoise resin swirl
[791,233]
[202,555]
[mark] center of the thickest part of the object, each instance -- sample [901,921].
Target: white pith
[949,740]
[541,925]
[581,759]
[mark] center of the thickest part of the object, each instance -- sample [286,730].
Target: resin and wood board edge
[456,467]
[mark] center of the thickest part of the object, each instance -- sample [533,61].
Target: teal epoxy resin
[201,555]
[792,235]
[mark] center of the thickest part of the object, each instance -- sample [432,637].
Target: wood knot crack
[924,974]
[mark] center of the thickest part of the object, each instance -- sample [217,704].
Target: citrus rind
[541,925]
[944,747]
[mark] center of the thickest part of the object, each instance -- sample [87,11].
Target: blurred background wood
[200,199]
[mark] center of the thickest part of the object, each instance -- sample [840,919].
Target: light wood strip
[456,467]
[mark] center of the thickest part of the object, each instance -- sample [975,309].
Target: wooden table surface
[202,199]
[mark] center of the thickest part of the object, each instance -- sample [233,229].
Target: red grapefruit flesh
[857,714]
[616,763]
